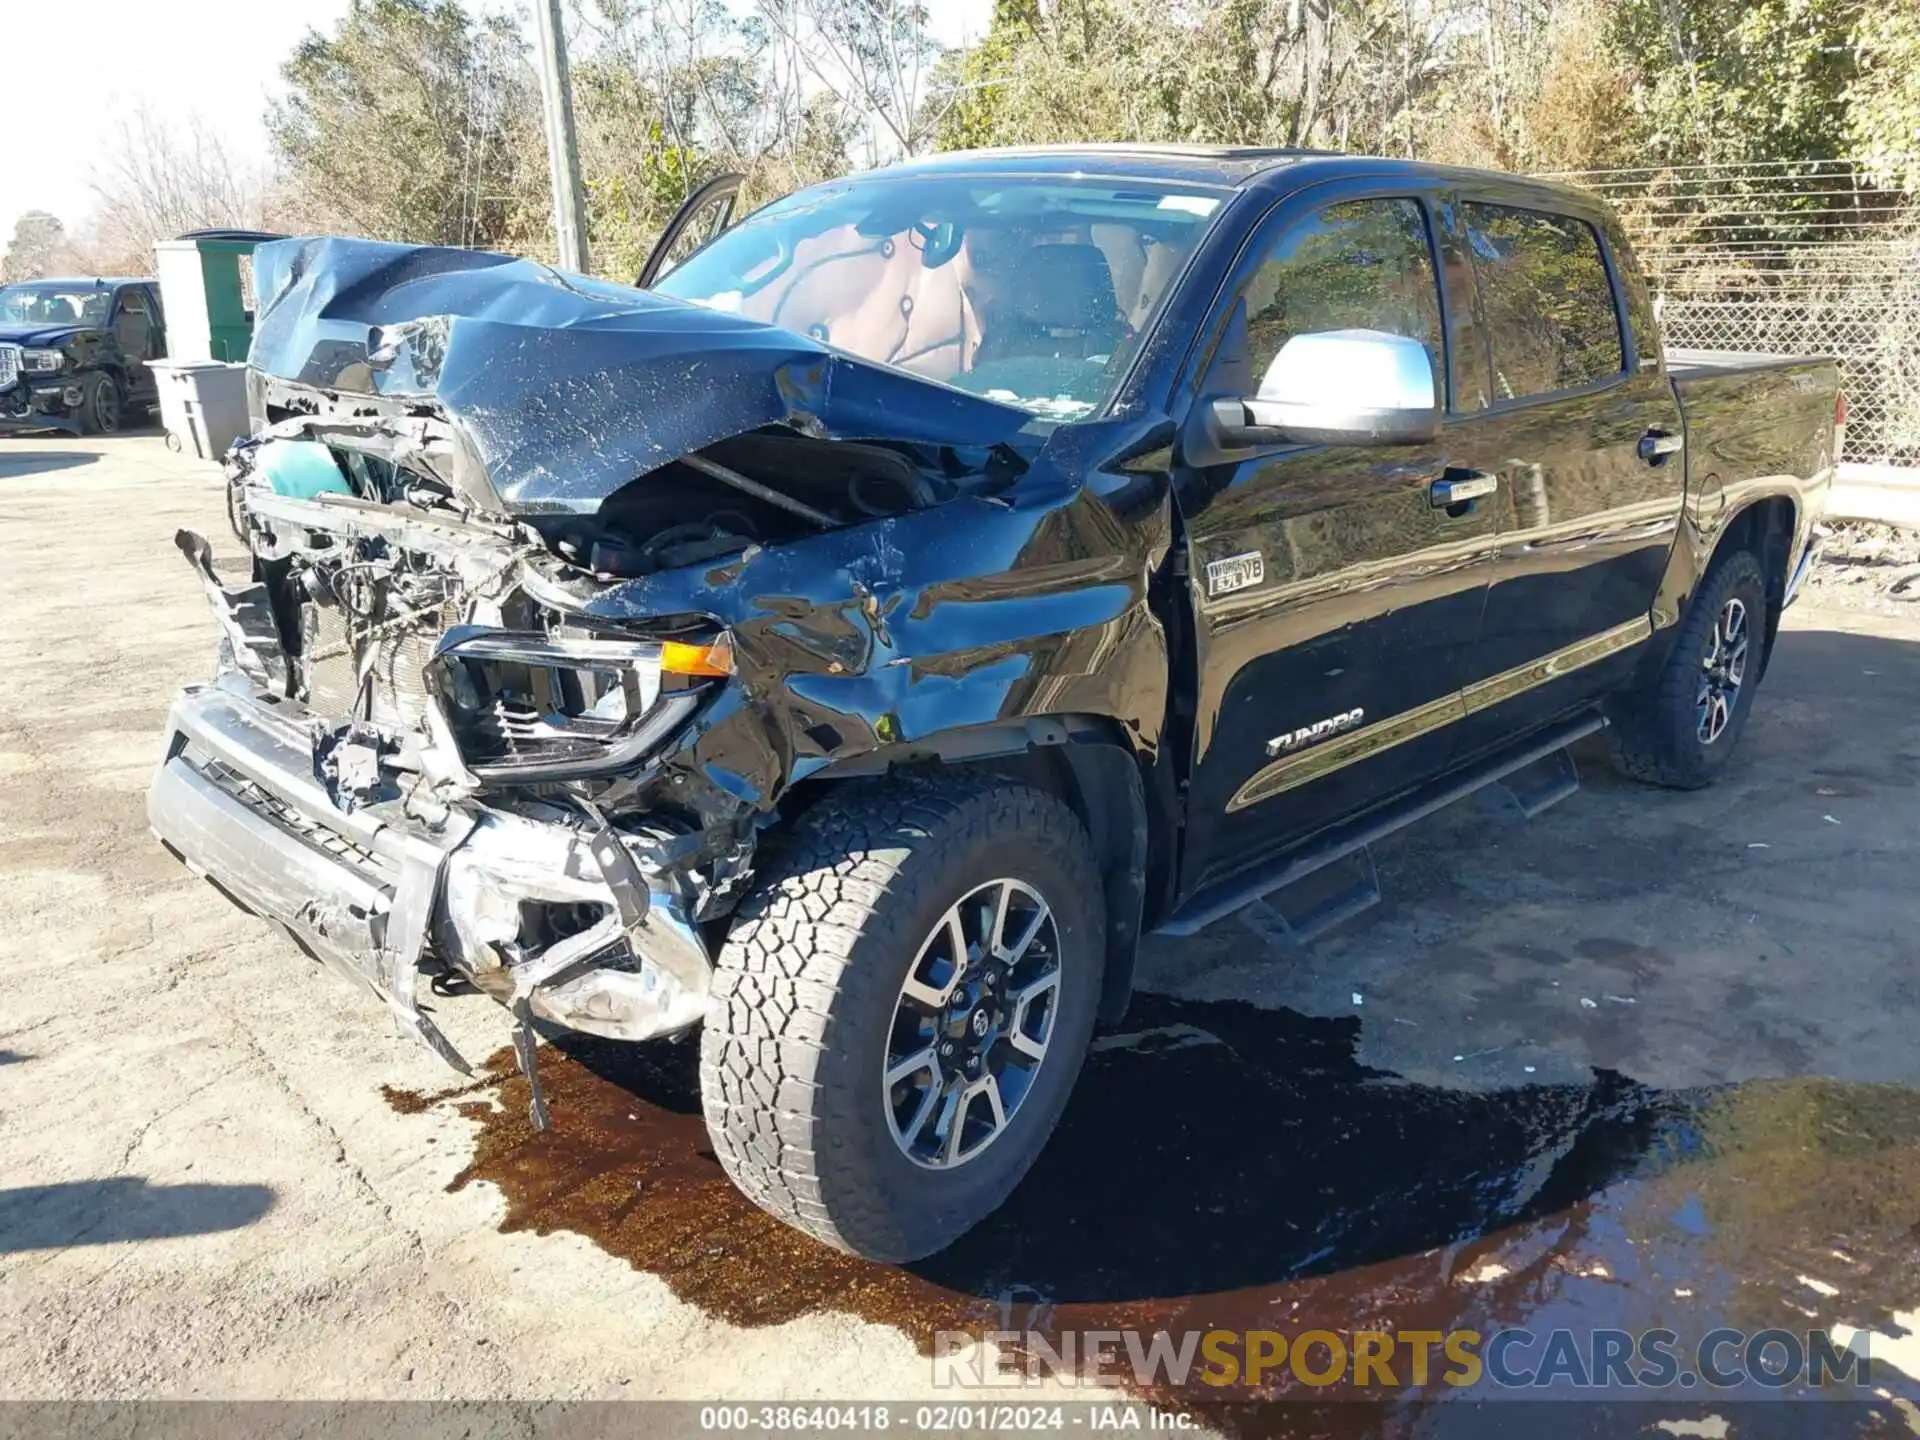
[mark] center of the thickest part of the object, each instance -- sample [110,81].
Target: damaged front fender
[880,639]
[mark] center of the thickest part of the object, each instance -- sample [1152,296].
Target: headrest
[1066,287]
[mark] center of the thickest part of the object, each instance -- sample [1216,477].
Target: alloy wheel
[1722,672]
[972,1024]
[106,407]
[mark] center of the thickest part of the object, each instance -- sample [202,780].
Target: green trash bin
[206,292]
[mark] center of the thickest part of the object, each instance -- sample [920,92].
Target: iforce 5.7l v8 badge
[1236,572]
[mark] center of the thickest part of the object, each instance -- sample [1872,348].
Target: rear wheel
[1682,732]
[901,1009]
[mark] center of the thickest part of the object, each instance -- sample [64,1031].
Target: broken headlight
[43,362]
[527,708]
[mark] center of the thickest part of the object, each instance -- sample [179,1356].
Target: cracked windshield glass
[1030,292]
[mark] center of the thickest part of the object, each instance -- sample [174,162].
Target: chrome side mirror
[1342,387]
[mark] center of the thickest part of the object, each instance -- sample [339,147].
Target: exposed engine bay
[374,563]
[756,489]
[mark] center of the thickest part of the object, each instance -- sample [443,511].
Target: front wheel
[901,1009]
[99,412]
[1682,732]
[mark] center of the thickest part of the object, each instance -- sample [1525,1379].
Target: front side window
[1362,265]
[1548,303]
[1027,289]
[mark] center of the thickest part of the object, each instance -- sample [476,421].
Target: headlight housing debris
[528,708]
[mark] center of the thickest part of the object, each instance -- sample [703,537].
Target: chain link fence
[1796,257]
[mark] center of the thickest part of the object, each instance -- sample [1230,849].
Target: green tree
[1531,85]
[1356,74]
[967,84]
[1729,81]
[1883,105]
[39,243]
[637,160]
[669,94]
[410,122]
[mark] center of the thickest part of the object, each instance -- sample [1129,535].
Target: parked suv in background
[74,353]
[940,578]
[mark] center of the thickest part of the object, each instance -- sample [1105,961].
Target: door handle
[1459,487]
[1657,445]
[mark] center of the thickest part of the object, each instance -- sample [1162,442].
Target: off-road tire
[99,412]
[793,1054]
[1654,737]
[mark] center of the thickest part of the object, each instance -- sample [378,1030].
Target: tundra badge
[1236,572]
[1319,730]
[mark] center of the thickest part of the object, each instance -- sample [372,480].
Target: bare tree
[874,56]
[160,179]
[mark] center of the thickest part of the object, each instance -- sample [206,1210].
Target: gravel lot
[206,1192]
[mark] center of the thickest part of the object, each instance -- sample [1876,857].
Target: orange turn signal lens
[715,658]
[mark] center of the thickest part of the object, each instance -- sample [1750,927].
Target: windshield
[1029,290]
[54,303]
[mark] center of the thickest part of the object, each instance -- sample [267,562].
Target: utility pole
[563,147]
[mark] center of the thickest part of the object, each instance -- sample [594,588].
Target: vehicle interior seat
[132,328]
[876,298]
[1061,304]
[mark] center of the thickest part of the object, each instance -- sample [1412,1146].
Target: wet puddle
[1223,1167]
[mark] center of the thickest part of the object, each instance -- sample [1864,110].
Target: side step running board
[1286,926]
[1537,787]
[1345,839]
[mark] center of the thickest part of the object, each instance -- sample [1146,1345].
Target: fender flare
[1774,544]
[1700,542]
[1087,762]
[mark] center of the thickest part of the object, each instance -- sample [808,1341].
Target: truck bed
[1690,365]
[1752,415]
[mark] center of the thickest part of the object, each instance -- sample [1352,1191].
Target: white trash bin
[203,404]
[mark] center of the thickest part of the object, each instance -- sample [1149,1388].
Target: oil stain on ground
[1227,1167]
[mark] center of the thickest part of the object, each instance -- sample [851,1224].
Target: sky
[84,65]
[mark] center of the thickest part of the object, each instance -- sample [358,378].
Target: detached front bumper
[373,891]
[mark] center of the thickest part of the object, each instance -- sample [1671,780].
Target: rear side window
[1364,265]
[1548,305]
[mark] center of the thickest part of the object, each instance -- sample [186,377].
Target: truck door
[706,212]
[135,332]
[1584,434]
[1335,605]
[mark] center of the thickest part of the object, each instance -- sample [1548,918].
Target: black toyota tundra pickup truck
[74,353]
[852,645]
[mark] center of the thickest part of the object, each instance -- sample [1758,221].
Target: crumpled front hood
[40,335]
[568,388]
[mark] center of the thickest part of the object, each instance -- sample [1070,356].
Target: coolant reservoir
[300,468]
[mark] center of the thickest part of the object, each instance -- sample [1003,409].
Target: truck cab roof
[102,281]
[1227,165]
[1237,167]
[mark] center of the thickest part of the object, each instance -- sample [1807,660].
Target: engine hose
[726,476]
